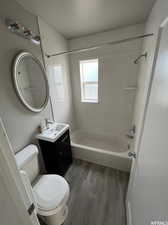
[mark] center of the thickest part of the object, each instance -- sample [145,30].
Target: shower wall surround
[58,73]
[112,115]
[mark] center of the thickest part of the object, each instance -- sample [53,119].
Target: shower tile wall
[112,116]
[52,41]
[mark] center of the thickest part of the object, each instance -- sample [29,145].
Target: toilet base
[57,219]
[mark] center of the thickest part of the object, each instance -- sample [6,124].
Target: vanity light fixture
[36,39]
[19,29]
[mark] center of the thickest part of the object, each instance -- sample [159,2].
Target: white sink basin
[54,132]
[55,129]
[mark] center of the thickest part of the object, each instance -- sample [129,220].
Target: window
[58,82]
[89,80]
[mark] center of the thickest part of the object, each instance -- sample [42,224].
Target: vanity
[56,148]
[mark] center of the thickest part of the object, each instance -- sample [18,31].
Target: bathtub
[104,151]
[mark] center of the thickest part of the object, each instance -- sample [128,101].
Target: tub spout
[131,133]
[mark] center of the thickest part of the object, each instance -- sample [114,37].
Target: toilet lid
[50,192]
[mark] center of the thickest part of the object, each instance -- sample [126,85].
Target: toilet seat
[51,193]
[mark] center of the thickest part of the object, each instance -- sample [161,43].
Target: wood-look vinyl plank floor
[97,195]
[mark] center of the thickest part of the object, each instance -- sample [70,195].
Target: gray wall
[20,124]
[112,116]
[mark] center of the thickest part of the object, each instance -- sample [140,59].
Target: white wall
[148,191]
[20,123]
[157,15]
[112,116]
[54,42]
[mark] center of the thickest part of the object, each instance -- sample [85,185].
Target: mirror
[30,82]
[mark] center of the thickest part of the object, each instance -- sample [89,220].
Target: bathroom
[78,121]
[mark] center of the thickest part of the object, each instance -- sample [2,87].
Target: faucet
[48,123]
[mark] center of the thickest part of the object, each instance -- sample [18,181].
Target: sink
[58,127]
[54,132]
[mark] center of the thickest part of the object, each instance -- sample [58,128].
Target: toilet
[51,192]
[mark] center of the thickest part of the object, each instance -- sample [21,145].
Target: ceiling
[74,18]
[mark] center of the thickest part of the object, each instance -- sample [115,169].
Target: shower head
[139,57]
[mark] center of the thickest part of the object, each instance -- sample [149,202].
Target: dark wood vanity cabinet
[57,156]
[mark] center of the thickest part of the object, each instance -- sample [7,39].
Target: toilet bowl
[51,192]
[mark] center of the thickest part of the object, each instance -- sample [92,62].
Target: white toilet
[51,192]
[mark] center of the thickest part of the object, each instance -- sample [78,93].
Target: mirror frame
[17,60]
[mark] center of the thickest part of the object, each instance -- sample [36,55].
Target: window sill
[91,101]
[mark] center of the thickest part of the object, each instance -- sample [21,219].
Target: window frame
[82,83]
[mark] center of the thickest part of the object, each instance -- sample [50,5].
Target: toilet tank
[27,160]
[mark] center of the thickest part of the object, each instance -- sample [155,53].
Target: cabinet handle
[66,137]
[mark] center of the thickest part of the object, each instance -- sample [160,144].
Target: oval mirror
[30,82]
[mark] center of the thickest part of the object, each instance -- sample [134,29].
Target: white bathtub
[100,150]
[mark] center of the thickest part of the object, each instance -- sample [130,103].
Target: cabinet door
[64,151]
[57,156]
[50,156]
